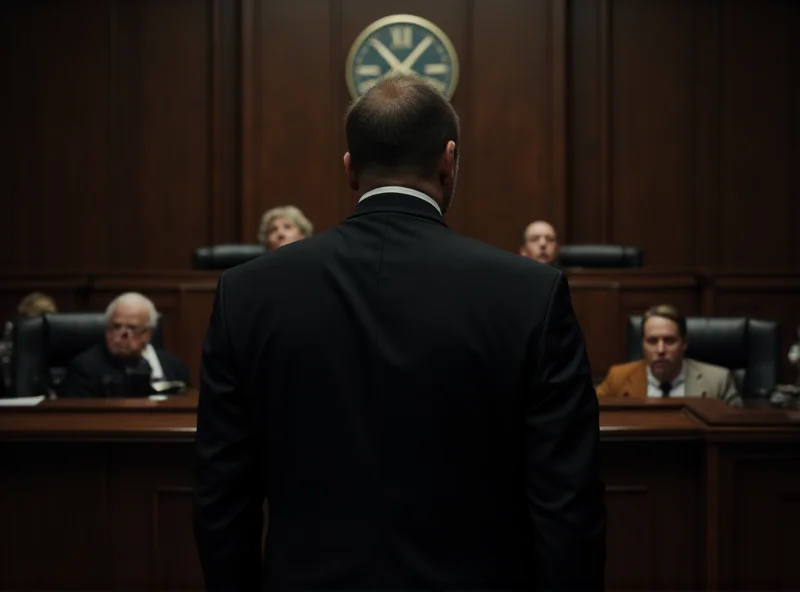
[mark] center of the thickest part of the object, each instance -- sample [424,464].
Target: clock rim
[395,19]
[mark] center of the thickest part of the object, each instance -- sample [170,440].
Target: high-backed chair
[44,346]
[600,256]
[747,347]
[220,257]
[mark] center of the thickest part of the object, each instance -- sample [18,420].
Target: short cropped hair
[400,125]
[666,311]
[36,304]
[136,299]
[290,212]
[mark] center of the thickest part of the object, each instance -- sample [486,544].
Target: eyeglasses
[122,327]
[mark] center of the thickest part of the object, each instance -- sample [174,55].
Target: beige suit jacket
[702,380]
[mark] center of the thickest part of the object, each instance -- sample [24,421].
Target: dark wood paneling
[123,127]
[651,137]
[162,96]
[587,197]
[296,160]
[69,532]
[759,520]
[150,493]
[684,129]
[653,501]
[56,85]
[513,149]
[759,157]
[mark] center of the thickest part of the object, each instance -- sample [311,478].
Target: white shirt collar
[404,190]
[149,354]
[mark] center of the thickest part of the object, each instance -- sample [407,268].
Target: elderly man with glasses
[125,357]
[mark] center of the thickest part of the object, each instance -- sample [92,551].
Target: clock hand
[385,53]
[416,53]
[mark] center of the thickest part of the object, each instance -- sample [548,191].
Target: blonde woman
[283,225]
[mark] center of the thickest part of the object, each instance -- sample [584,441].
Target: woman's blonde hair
[36,304]
[290,212]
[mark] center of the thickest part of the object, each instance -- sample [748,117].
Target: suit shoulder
[623,370]
[505,260]
[304,251]
[89,357]
[709,369]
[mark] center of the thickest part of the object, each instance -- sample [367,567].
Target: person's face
[663,347]
[540,243]
[282,231]
[127,334]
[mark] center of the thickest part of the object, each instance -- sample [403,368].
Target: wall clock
[402,43]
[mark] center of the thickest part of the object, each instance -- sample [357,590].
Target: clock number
[437,68]
[402,37]
[368,70]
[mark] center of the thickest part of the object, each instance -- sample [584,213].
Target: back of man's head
[400,127]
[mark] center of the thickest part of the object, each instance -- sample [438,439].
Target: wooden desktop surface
[96,494]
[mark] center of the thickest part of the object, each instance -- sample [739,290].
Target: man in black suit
[416,406]
[125,363]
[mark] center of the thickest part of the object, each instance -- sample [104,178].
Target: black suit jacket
[416,406]
[86,375]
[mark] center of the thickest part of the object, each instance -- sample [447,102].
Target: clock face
[402,43]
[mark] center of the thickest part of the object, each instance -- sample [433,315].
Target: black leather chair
[219,257]
[600,256]
[44,346]
[748,347]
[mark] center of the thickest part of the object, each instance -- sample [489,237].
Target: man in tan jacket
[664,371]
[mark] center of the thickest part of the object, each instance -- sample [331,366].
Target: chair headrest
[599,256]
[715,340]
[220,257]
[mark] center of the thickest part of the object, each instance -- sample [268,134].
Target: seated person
[106,369]
[664,371]
[283,225]
[540,242]
[31,306]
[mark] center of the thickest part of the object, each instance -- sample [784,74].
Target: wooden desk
[97,495]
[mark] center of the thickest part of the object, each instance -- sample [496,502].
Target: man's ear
[447,171]
[352,178]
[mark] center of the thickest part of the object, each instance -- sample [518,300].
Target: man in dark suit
[415,406]
[125,363]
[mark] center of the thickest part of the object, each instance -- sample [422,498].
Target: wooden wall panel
[684,129]
[121,134]
[650,139]
[759,134]
[292,122]
[69,531]
[161,132]
[654,513]
[54,207]
[513,136]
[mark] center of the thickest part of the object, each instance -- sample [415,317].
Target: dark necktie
[665,388]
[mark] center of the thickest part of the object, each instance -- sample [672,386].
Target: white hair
[135,299]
